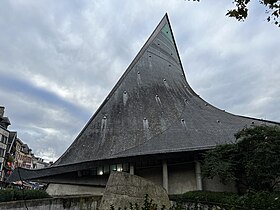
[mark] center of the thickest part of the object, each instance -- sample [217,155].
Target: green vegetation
[16,194]
[221,198]
[215,200]
[147,205]
[272,8]
[260,200]
[240,12]
[253,162]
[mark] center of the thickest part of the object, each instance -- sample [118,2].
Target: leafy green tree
[240,12]
[253,161]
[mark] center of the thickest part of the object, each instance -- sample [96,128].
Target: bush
[258,200]
[252,161]
[211,198]
[16,194]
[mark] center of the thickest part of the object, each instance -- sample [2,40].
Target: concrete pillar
[165,176]
[198,176]
[131,169]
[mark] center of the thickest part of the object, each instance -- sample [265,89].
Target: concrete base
[66,189]
[123,189]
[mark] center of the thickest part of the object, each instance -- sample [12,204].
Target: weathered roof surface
[152,109]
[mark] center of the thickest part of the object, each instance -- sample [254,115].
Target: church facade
[152,124]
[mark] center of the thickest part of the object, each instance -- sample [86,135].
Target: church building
[152,124]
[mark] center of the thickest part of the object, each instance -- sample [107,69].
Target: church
[152,124]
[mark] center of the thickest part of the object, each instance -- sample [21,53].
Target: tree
[240,12]
[253,161]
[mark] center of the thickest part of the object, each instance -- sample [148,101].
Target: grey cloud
[79,49]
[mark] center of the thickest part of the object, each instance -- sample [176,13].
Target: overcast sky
[60,59]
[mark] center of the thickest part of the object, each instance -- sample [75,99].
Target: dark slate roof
[152,110]
[5,122]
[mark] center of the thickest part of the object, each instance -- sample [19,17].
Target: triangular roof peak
[151,70]
[152,109]
[164,28]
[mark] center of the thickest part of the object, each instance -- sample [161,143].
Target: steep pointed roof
[152,109]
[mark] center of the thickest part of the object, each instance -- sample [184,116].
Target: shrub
[252,161]
[204,197]
[260,200]
[16,194]
[257,200]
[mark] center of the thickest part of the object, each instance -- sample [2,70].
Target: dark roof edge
[122,157]
[163,21]
[33,174]
[252,118]
[177,51]
[237,115]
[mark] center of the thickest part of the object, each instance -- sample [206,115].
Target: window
[106,169]
[4,139]
[126,167]
[119,167]
[2,152]
[85,173]
[100,170]
[113,167]
[93,172]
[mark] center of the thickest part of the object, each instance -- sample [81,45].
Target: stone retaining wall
[72,203]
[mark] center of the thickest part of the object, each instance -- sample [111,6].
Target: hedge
[258,200]
[16,194]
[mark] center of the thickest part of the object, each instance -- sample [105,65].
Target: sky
[60,59]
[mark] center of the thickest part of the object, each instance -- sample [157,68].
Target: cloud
[59,60]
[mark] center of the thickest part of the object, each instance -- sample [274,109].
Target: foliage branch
[240,12]
[253,161]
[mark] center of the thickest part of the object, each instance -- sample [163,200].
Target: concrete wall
[181,178]
[71,203]
[151,174]
[216,186]
[66,189]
